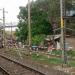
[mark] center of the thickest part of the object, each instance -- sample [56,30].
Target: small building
[56,40]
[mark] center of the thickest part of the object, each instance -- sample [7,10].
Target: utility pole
[29,24]
[11,35]
[4,26]
[11,30]
[62,10]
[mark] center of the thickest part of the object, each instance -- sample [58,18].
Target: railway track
[12,67]
[3,71]
[15,68]
[19,67]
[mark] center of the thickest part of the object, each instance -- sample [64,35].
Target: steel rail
[4,71]
[20,64]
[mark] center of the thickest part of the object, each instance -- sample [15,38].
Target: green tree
[43,14]
[22,31]
[39,23]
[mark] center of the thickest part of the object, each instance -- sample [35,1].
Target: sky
[12,8]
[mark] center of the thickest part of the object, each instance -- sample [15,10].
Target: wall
[71,42]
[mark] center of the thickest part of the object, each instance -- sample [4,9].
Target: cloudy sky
[12,6]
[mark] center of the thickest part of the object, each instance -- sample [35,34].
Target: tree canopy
[43,14]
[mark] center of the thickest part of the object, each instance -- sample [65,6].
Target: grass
[13,52]
[46,60]
[51,61]
[71,63]
[57,52]
[70,53]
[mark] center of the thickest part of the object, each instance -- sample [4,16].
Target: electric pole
[4,26]
[63,22]
[11,35]
[4,39]
[29,24]
[11,30]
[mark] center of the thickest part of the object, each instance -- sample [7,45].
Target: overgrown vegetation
[42,58]
[70,53]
